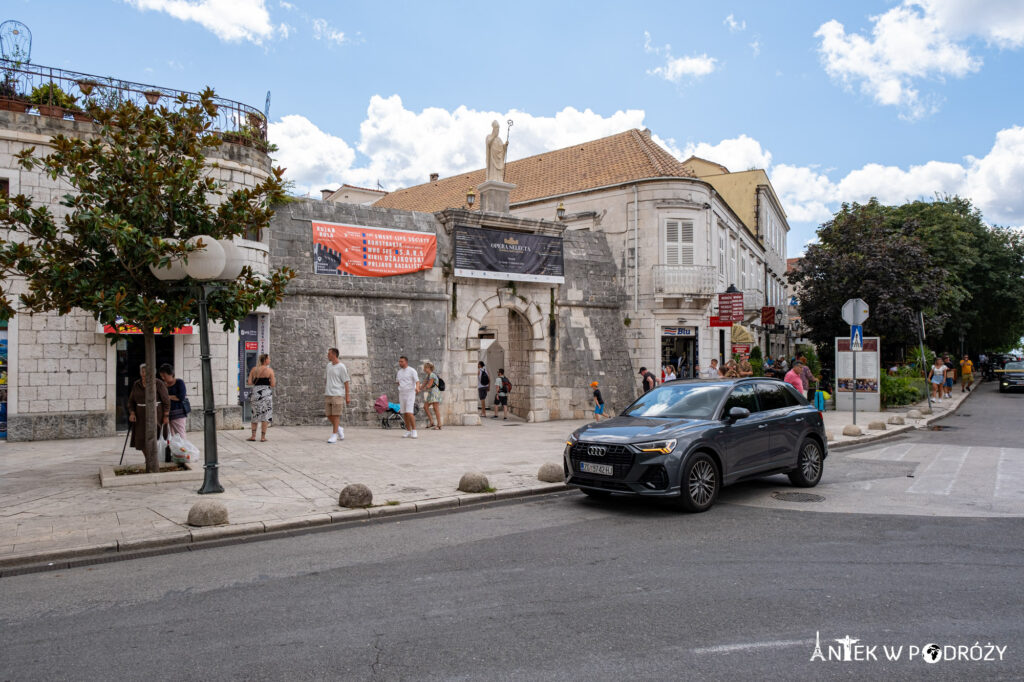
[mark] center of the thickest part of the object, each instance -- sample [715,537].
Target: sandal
[263,440]
[253,439]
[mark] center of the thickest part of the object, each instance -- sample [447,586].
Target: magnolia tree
[140,187]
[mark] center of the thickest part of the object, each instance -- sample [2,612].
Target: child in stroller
[389,414]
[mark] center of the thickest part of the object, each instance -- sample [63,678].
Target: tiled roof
[624,157]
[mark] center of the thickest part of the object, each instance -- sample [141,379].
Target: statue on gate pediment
[495,154]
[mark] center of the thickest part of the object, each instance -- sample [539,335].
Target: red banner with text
[370,252]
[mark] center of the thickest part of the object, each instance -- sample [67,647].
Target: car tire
[700,484]
[809,465]
[596,494]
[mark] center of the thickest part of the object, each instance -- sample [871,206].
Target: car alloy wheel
[700,484]
[808,467]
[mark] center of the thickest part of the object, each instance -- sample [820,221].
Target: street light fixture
[215,260]
[470,197]
[560,211]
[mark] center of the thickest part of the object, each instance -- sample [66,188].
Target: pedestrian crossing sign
[856,337]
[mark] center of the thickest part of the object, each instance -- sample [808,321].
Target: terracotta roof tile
[630,155]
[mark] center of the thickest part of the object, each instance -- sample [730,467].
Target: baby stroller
[390,417]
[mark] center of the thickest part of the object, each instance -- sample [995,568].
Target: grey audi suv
[687,439]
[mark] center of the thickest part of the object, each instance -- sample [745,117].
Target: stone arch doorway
[505,336]
[511,325]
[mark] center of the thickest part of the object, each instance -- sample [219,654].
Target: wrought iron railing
[684,280]
[34,89]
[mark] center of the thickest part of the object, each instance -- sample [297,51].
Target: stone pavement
[52,506]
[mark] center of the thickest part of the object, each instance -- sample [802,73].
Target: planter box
[20,106]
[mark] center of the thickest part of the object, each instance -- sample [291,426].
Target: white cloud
[735,26]
[737,154]
[324,31]
[755,47]
[399,147]
[917,40]
[230,20]
[995,180]
[676,69]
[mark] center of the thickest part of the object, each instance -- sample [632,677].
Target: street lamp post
[213,260]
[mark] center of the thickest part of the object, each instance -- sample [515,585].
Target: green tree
[868,251]
[139,183]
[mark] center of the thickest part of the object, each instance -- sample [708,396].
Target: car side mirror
[737,413]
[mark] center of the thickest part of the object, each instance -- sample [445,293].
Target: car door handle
[799,419]
[762,426]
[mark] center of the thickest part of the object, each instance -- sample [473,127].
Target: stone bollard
[208,513]
[852,430]
[830,436]
[925,411]
[914,414]
[897,421]
[551,473]
[473,482]
[355,495]
[876,426]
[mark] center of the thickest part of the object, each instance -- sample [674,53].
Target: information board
[866,380]
[498,254]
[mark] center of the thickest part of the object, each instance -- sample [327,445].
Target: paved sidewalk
[52,506]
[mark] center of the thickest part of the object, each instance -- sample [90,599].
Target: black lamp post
[215,260]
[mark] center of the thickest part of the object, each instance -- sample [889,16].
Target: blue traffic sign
[856,337]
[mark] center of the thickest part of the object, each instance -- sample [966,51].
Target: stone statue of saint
[496,154]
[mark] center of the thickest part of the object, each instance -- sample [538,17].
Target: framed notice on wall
[360,251]
[497,254]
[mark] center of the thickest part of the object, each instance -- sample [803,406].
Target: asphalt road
[552,588]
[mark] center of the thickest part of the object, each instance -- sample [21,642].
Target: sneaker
[341,433]
[494,417]
[407,434]
[333,438]
[414,435]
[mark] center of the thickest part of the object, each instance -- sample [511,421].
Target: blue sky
[839,101]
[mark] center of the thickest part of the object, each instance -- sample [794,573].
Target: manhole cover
[798,497]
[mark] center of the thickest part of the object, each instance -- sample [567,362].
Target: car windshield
[1015,365]
[679,401]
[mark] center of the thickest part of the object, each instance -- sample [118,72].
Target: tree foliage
[141,180]
[937,257]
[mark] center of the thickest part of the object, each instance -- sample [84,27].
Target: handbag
[186,405]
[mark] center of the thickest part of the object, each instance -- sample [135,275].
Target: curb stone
[219,536]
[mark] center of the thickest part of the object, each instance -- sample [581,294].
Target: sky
[838,101]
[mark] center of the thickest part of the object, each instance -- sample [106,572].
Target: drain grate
[798,497]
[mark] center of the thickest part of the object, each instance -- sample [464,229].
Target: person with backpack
[483,386]
[432,387]
[501,395]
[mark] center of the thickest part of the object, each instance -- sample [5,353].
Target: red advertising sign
[252,345]
[717,321]
[730,307]
[741,348]
[768,315]
[370,252]
[131,329]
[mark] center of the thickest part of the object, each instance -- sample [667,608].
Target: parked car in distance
[1011,376]
[688,439]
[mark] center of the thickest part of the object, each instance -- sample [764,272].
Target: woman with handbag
[137,410]
[180,406]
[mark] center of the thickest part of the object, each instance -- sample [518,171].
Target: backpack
[440,383]
[506,385]
[485,379]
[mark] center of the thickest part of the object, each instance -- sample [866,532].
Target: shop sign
[741,348]
[360,251]
[717,321]
[679,331]
[498,254]
[132,329]
[768,315]
[252,345]
[730,307]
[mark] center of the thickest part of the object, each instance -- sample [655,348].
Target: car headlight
[662,446]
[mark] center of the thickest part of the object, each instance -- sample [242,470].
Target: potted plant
[52,101]
[86,85]
[152,96]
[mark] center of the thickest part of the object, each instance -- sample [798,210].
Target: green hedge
[902,390]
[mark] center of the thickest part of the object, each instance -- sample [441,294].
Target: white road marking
[938,475]
[1010,474]
[726,648]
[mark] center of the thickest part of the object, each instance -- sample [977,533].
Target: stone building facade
[675,239]
[554,339]
[64,378]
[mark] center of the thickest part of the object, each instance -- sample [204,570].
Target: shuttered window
[678,242]
[721,251]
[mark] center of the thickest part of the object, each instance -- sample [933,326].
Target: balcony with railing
[753,299]
[57,93]
[673,281]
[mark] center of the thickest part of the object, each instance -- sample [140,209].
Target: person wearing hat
[598,402]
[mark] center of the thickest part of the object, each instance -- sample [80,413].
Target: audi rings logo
[596,451]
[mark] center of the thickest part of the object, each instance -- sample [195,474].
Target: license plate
[591,468]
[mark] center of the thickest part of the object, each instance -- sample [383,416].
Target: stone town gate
[524,340]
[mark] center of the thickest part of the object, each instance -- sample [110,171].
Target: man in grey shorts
[337,386]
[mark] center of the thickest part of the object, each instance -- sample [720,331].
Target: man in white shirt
[712,371]
[408,383]
[337,378]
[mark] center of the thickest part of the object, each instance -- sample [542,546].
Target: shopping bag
[161,443]
[182,450]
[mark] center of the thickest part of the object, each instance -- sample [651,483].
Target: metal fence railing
[48,91]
